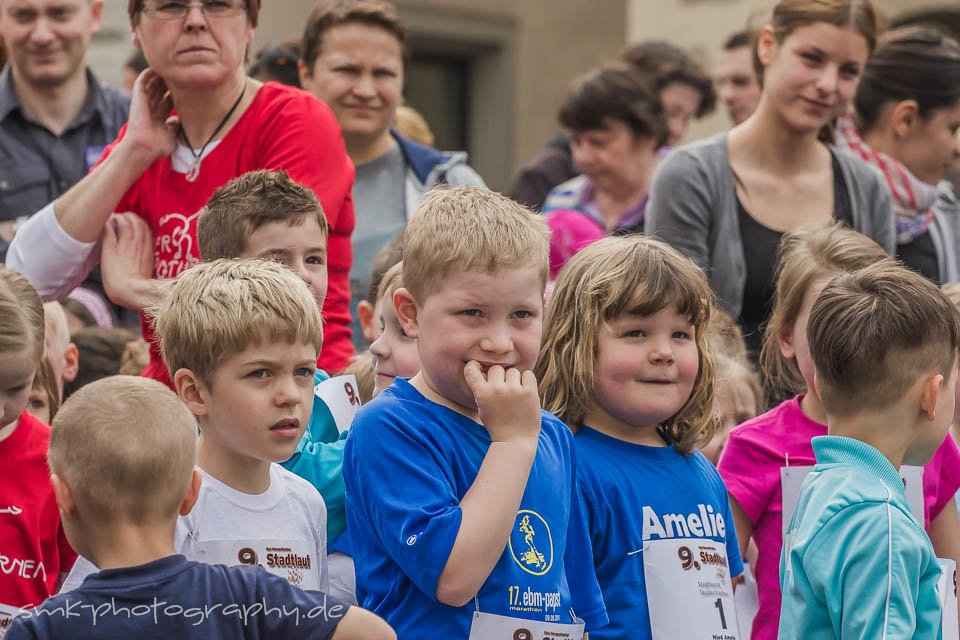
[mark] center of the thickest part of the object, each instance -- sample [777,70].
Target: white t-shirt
[283,529]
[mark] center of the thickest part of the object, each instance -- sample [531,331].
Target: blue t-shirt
[635,493]
[319,460]
[408,464]
[175,598]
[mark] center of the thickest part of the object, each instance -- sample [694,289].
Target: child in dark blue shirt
[122,455]
[626,364]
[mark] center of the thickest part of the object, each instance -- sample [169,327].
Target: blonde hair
[391,281]
[22,326]
[470,229]
[361,367]
[220,308]
[807,255]
[410,124]
[874,331]
[610,277]
[126,446]
[739,369]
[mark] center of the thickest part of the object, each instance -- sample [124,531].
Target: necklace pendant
[194,171]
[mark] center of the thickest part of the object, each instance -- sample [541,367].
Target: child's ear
[785,341]
[407,311]
[816,381]
[65,501]
[365,318]
[193,492]
[930,395]
[191,390]
[72,357]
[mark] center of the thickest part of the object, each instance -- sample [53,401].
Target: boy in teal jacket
[856,563]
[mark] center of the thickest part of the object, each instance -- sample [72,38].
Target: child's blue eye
[523,315]
[314,260]
[473,313]
[636,333]
[304,371]
[681,335]
[259,374]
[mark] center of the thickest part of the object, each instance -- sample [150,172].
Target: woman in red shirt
[196,122]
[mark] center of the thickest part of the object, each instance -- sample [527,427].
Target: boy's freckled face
[259,400]
[300,247]
[493,318]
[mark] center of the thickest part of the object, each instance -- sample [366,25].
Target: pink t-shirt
[750,467]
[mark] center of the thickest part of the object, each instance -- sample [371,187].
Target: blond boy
[266,215]
[122,455]
[241,339]
[461,505]
[856,563]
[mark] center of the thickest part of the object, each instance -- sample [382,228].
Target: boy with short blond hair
[264,214]
[463,514]
[884,343]
[241,339]
[122,456]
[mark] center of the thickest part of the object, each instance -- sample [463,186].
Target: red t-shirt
[284,128]
[33,547]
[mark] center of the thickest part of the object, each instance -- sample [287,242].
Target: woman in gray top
[726,201]
[907,117]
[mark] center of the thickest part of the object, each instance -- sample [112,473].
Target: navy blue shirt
[176,598]
[408,464]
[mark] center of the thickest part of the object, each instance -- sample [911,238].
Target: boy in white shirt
[241,339]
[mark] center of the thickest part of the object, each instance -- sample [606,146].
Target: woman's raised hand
[151,128]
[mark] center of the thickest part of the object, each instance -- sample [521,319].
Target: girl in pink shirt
[757,450]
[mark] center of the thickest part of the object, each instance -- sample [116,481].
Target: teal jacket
[856,563]
[319,460]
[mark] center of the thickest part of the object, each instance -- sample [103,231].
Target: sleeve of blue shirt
[862,566]
[401,496]
[320,461]
[585,595]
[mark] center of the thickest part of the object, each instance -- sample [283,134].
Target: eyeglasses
[209,8]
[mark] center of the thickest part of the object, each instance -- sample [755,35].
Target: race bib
[948,599]
[342,397]
[7,614]
[488,626]
[689,591]
[792,477]
[293,560]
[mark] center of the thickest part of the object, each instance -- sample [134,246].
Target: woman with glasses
[196,122]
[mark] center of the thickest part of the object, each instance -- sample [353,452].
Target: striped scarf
[913,199]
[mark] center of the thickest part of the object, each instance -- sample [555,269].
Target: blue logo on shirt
[531,543]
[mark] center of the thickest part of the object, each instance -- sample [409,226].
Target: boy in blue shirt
[264,214]
[855,562]
[122,456]
[462,511]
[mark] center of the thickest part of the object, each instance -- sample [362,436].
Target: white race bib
[342,396]
[792,477]
[948,599]
[7,614]
[293,560]
[689,591]
[488,626]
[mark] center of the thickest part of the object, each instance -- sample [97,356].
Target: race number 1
[689,590]
[342,397]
